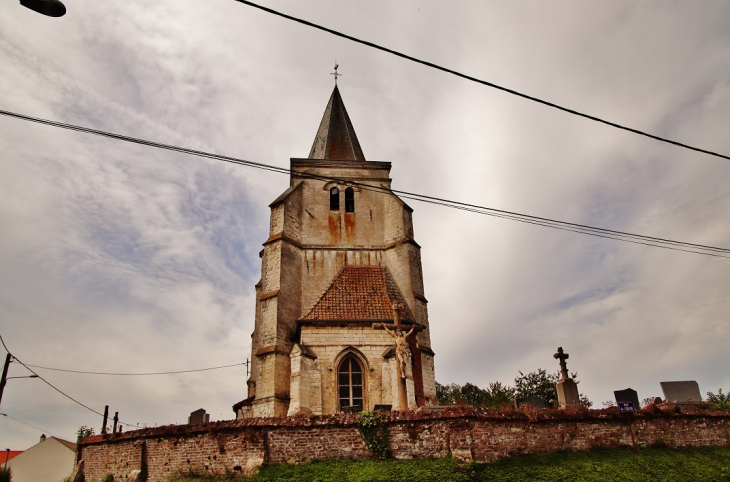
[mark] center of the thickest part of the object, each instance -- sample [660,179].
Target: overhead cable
[28,424]
[137,374]
[656,242]
[56,388]
[479,81]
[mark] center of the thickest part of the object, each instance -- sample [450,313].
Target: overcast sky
[122,258]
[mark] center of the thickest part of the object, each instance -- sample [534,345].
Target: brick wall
[461,432]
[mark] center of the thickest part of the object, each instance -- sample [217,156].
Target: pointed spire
[336,139]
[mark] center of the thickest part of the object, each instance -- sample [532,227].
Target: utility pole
[4,378]
[106,417]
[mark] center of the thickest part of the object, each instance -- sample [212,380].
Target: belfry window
[334,199]
[349,382]
[349,200]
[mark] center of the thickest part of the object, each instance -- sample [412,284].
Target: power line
[29,425]
[479,81]
[656,242]
[137,374]
[54,387]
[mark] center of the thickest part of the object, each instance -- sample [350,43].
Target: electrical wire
[479,81]
[651,241]
[137,374]
[54,387]
[29,425]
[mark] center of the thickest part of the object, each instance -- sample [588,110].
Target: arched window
[349,200]
[334,199]
[349,382]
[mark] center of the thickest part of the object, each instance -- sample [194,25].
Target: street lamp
[4,378]
[51,8]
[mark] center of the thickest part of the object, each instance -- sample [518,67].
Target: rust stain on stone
[334,226]
[350,226]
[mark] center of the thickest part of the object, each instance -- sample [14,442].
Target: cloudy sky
[121,258]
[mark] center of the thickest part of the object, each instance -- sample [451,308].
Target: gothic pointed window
[334,199]
[349,382]
[349,200]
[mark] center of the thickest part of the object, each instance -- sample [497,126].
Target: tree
[496,396]
[84,432]
[499,396]
[538,384]
[473,395]
[721,401]
[448,394]
[542,385]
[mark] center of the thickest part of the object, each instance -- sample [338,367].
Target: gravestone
[534,400]
[567,388]
[627,395]
[682,393]
[199,416]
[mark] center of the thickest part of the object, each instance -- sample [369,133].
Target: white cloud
[122,258]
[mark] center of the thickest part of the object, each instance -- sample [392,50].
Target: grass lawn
[685,464]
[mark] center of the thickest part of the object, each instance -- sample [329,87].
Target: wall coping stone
[463,412]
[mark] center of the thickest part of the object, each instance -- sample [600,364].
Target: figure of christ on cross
[402,353]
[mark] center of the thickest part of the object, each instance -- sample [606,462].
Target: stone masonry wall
[461,432]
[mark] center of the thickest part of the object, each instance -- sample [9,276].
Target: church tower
[340,263]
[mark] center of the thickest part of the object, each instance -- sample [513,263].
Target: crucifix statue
[402,352]
[563,366]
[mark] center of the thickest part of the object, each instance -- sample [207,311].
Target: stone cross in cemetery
[681,393]
[566,386]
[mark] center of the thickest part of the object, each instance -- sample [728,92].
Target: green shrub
[5,475]
[375,433]
[721,401]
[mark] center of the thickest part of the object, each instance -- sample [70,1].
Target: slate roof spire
[336,139]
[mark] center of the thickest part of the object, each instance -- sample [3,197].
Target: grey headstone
[199,416]
[681,393]
[627,395]
[533,400]
[568,395]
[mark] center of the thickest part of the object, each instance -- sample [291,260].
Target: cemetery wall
[464,433]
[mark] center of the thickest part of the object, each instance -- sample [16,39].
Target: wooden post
[631,430]
[106,417]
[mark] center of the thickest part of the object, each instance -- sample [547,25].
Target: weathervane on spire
[335,73]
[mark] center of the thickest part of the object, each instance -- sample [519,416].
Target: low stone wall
[464,433]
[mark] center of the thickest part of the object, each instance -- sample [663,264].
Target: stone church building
[340,262]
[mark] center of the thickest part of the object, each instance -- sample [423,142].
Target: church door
[349,379]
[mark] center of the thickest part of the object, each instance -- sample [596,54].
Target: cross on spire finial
[335,73]
[563,365]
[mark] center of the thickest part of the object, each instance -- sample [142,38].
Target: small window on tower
[349,200]
[334,199]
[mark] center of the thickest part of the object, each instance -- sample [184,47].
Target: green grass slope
[661,464]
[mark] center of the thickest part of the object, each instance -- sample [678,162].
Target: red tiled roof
[359,293]
[5,455]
